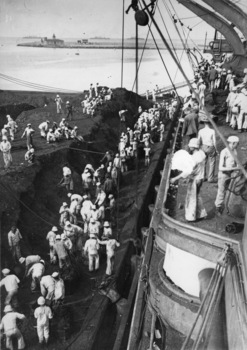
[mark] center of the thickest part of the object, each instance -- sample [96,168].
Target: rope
[85,151]
[34,85]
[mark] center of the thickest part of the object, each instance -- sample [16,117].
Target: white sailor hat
[110,196]
[106,224]
[58,237]
[21,260]
[85,196]
[233,138]
[54,229]
[55,274]
[194,143]
[41,301]
[98,184]
[5,272]
[8,308]
[65,204]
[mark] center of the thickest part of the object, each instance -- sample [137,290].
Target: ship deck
[213,223]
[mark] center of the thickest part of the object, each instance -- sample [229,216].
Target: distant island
[93,43]
[32,37]
[100,37]
[134,38]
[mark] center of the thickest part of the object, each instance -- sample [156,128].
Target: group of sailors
[201,144]
[86,227]
[95,98]
[149,128]
[52,132]
[55,132]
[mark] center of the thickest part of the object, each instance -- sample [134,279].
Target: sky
[87,18]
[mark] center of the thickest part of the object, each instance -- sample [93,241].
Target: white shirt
[86,206]
[66,171]
[207,136]
[43,126]
[37,270]
[147,151]
[231,98]
[94,227]
[111,245]
[91,246]
[14,237]
[43,314]
[59,289]
[199,159]
[5,146]
[241,101]
[47,281]
[51,237]
[8,322]
[10,282]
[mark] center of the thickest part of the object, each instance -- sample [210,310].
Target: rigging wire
[174,49]
[122,60]
[196,94]
[177,30]
[144,47]
[167,71]
[34,85]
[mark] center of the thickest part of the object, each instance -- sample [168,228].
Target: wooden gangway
[168,88]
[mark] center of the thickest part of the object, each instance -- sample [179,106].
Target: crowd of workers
[53,132]
[87,221]
[201,143]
